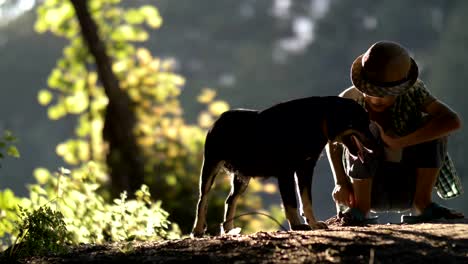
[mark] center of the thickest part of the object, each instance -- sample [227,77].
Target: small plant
[81,215]
[6,145]
[41,232]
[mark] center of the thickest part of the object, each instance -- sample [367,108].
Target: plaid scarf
[407,117]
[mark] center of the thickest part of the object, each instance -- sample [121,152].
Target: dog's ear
[324,126]
[340,114]
[333,116]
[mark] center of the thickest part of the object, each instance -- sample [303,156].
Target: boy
[413,127]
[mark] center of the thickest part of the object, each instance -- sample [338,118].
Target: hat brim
[363,85]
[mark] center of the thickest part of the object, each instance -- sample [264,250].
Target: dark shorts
[394,183]
[426,155]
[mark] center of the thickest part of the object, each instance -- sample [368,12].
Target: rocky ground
[443,242]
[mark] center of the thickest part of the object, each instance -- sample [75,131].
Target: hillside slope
[423,243]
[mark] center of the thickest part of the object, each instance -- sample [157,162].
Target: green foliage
[172,148]
[7,145]
[87,216]
[8,214]
[41,232]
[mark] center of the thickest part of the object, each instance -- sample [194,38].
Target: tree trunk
[124,157]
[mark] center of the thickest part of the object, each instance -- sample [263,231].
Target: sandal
[432,212]
[354,217]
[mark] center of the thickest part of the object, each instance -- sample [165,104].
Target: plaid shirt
[407,117]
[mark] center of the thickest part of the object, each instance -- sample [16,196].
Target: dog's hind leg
[304,180]
[210,169]
[238,186]
[287,187]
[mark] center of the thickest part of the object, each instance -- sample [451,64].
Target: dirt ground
[442,242]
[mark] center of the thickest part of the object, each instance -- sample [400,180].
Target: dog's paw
[319,225]
[234,231]
[301,227]
[196,233]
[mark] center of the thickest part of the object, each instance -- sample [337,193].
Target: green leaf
[42,175]
[13,151]
[8,199]
[77,103]
[123,32]
[56,112]
[134,17]
[54,79]
[152,16]
[44,97]
[8,136]
[40,26]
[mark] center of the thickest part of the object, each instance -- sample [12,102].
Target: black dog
[279,141]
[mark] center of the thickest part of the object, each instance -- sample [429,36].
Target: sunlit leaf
[144,56]
[132,79]
[84,126]
[155,64]
[40,26]
[135,94]
[54,78]
[7,199]
[171,133]
[270,188]
[61,149]
[255,186]
[13,151]
[178,80]
[77,103]
[171,180]
[120,66]
[168,64]
[218,107]
[123,32]
[83,151]
[70,158]
[152,16]
[41,175]
[92,78]
[205,120]
[44,97]
[140,35]
[134,17]
[207,95]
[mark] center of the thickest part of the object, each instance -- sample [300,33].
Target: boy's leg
[426,179]
[428,158]
[362,189]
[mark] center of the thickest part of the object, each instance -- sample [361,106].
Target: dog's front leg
[304,180]
[238,186]
[287,187]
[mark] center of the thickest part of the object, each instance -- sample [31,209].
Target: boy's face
[379,104]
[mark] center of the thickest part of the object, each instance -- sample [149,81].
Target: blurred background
[253,54]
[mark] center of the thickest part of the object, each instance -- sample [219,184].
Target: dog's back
[232,130]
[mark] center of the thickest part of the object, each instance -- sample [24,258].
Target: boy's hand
[344,195]
[391,142]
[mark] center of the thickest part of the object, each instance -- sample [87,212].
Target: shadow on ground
[442,242]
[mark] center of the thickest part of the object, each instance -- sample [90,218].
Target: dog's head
[349,125]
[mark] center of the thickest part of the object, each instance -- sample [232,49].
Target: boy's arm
[441,122]
[343,191]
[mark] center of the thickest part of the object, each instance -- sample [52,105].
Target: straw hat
[385,68]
